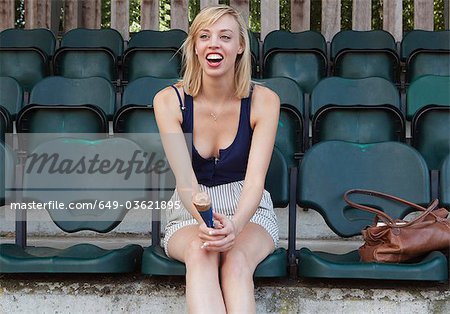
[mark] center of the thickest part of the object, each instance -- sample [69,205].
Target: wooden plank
[120,17]
[7,13]
[150,14]
[331,18]
[393,18]
[91,13]
[423,15]
[72,14]
[270,16]
[362,15]
[37,13]
[205,3]
[179,14]
[242,6]
[300,15]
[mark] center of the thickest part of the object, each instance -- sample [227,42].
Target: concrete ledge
[138,294]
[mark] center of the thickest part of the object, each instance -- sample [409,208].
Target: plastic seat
[356,110]
[428,106]
[291,139]
[426,53]
[7,171]
[331,168]
[108,190]
[25,55]
[444,183]
[154,53]
[62,106]
[156,262]
[299,56]
[11,95]
[89,52]
[360,54]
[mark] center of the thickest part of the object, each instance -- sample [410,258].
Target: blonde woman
[233,124]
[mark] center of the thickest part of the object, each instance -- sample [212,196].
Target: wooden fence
[87,13]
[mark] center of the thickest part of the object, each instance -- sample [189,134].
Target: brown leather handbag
[396,241]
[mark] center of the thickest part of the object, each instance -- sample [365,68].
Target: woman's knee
[236,264]
[194,255]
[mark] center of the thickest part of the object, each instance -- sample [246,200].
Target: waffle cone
[201,201]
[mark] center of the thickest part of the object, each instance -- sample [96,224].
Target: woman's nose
[214,41]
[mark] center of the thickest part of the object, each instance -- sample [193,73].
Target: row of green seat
[327,170]
[356,110]
[28,54]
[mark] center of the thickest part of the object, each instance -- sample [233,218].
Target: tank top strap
[246,106]
[179,97]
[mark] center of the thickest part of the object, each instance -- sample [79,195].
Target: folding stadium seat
[426,52]
[110,193]
[299,56]
[363,110]
[292,135]
[428,106]
[89,52]
[444,183]
[25,55]
[360,54]
[156,262]
[59,106]
[11,95]
[154,53]
[331,168]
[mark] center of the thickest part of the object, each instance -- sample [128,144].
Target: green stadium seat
[61,106]
[5,124]
[331,168]
[89,52]
[426,53]
[11,95]
[363,110]
[153,53]
[299,56]
[428,106]
[360,54]
[292,135]
[25,55]
[156,262]
[108,192]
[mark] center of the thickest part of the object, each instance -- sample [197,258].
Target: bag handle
[387,219]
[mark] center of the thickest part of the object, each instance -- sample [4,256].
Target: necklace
[216,116]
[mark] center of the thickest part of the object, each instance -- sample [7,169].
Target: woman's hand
[221,238]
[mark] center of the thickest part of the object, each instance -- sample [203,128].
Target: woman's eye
[225,37]
[203,36]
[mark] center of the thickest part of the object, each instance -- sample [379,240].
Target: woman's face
[217,46]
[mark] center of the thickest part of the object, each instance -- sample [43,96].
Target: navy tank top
[231,164]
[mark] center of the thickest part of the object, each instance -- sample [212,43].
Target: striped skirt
[224,200]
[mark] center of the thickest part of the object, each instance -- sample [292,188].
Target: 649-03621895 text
[96,204]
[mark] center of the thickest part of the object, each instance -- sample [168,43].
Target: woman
[233,126]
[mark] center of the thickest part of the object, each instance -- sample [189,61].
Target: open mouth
[214,59]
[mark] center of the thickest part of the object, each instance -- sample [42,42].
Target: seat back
[277,179]
[290,132]
[425,53]
[25,54]
[89,52]
[154,53]
[63,171]
[254,50]
[428,105]
[299,56]
[142,90]
[11,95]
[357,110]
[331,168]
[360,54]
[57,90]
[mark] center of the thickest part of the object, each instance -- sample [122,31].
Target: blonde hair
[192,71]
